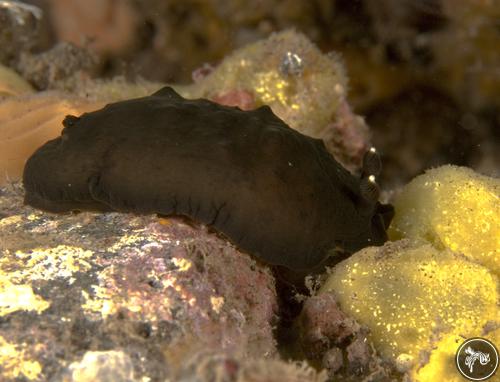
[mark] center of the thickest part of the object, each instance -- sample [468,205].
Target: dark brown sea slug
[274,192]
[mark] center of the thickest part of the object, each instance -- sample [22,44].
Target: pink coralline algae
[244,99]
[153,291]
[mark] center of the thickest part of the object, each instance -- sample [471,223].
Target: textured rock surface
[324,325]
[337,343]
[227,367]
[116,295]
[63,66]
[24,29]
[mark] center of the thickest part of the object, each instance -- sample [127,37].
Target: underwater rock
[24,28]
[455,208]
[411,296]
[206,366]
[333,361]
[16,362]
[29,121]
[101,366]
[324,325]
[63,67]
[337,342]
[145,291]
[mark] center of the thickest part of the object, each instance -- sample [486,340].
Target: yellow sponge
[412,295]
[452,207]
[441,363]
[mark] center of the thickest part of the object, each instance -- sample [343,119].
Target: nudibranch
[275,193]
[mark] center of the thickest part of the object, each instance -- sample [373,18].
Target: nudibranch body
[275,193]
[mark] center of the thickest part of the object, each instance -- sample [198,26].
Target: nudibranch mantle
[275,193]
